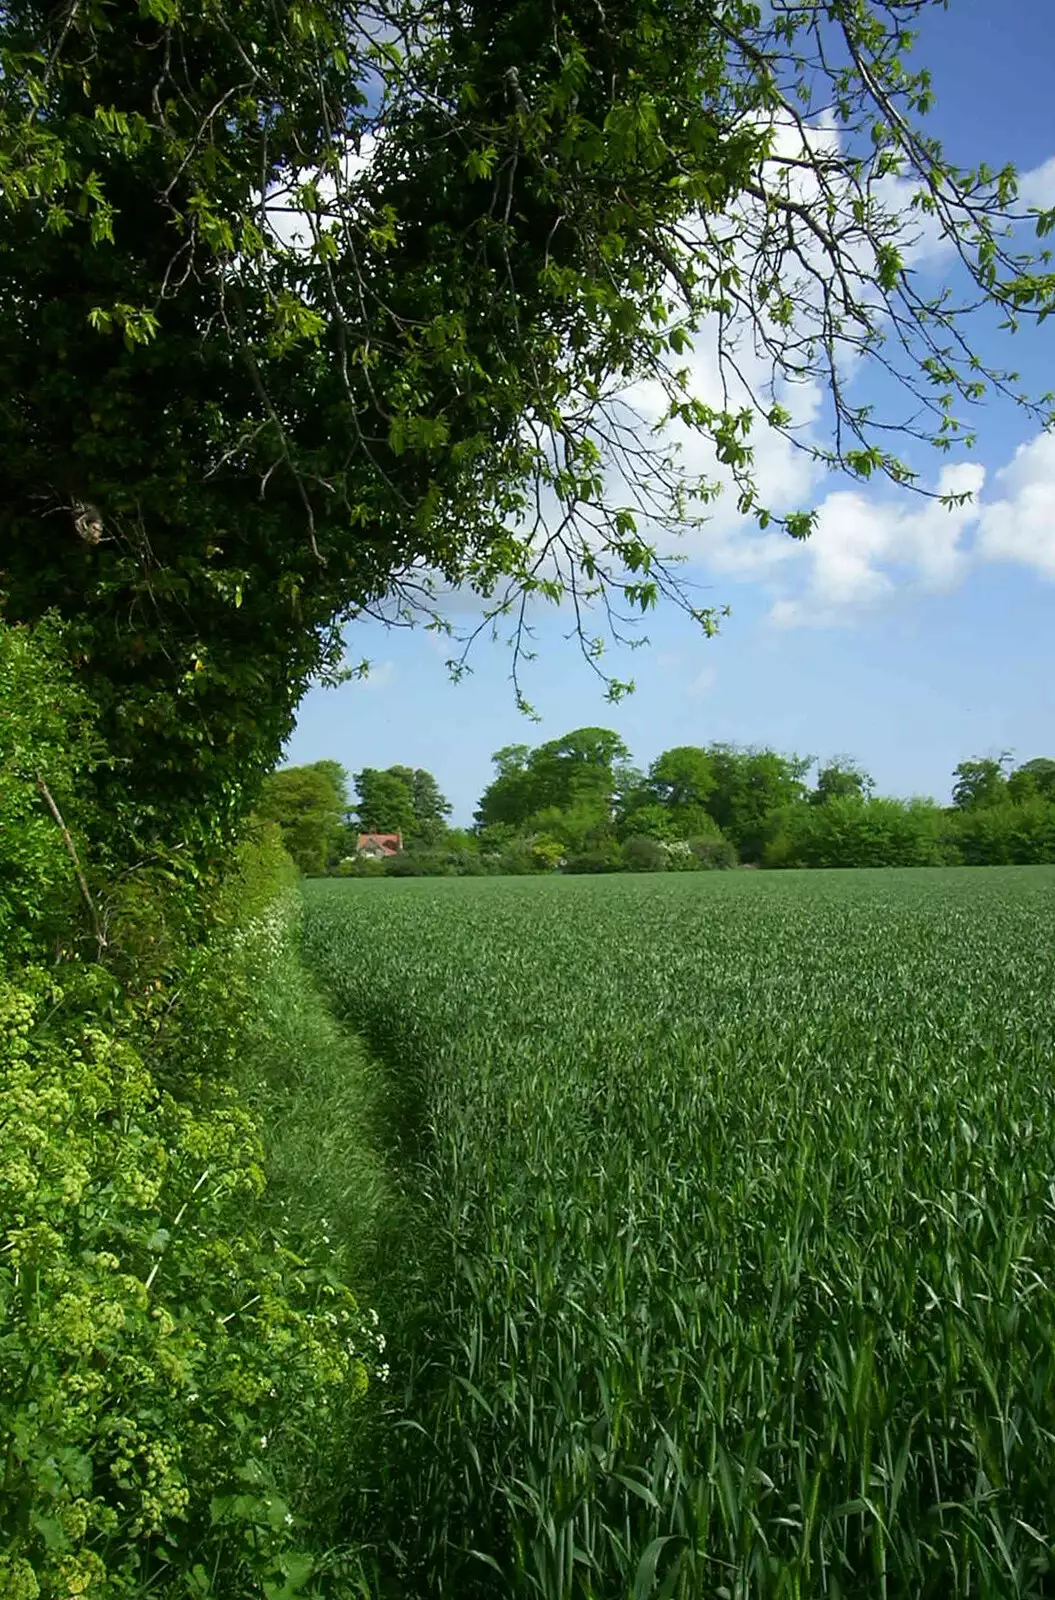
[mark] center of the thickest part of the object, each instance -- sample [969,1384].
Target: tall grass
[733,1272]
[319,1099]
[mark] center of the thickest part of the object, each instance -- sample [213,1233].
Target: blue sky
[901,635]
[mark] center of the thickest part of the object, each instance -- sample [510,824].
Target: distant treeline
[578,804]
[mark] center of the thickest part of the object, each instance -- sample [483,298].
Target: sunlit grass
[735,1273]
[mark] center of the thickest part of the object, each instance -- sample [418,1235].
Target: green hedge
[851,832]
[1006,835]
[158,1329]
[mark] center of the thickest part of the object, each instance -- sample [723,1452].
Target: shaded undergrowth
[342,1105]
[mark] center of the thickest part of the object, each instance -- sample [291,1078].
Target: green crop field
[729,1267]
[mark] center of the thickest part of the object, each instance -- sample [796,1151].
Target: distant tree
[430,809]
[309,804]
[507,800]
[1020,834]
[462,841]
[578,827]
[385,802]
[980,783]
[1033,780]
[751,785]
[577,770]
[404,800]
[841,779]
[682,778]
[846,832]
[640,815]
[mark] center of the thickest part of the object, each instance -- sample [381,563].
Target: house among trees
[379,846]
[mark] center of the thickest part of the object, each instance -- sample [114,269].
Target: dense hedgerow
[160,1332]
[848,831]
[734,1267]
[1006,835]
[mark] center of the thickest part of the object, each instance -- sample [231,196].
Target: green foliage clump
[150,1341]
[848,831]
[359,867]
[1033,780]
[604,856]
[574,776]
[980,783]
[1005,834]
[642,854]
[159,1330]
[309,804]
[713,853]
[47,743]
[841,779]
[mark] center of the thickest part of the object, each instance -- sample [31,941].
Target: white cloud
[290,225]
[862,546]
[1037,187]
[865,550]
[1020,526]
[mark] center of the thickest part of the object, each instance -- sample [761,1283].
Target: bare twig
[71,851]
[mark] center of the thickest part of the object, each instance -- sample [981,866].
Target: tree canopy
[1034,778]
[309,805]
[404,800]
[575,772]
[577,804]
[980,782]
[307,308]
[841,779]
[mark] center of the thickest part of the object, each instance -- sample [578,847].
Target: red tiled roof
[390,843]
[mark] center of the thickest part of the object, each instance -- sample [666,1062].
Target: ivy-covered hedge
[160,1332]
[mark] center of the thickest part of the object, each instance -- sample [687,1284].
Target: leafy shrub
[603,857]
[151,1342]
[713,854]
[642,854]
[1005,835]
[518,859]
[435,864]
[157,1331]
[359,867]
[851,832]
[46,740]
[410,865]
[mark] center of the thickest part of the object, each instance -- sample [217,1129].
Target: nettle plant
[155,1347]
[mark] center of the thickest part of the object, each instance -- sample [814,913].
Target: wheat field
[732,1270]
